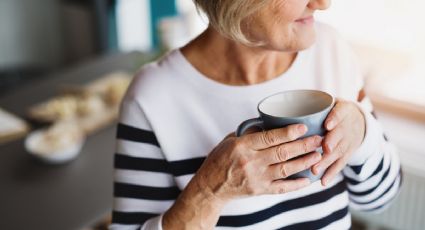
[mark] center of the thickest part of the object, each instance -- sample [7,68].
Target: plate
[32,143]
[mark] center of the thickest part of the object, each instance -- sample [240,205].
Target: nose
[319,4]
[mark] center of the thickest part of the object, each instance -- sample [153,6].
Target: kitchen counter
[72,196]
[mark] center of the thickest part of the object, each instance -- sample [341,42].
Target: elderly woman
[177,166]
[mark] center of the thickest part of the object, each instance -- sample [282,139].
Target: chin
[305,42]
[300,41]
[305,37]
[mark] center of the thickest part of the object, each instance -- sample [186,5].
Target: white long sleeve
[141,192]
[373,173]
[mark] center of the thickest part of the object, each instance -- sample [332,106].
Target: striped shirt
[172,117]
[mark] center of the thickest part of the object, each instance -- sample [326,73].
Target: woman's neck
[231,63]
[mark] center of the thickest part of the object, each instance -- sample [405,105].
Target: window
[389,36]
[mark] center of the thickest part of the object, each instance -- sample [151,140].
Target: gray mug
[308,107]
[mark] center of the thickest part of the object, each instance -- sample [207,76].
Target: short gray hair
[226,16]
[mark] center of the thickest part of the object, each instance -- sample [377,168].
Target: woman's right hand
[258,163]
[253,164]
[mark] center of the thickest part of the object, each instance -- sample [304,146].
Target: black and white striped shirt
[172,117]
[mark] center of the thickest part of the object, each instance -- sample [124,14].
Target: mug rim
[297,117]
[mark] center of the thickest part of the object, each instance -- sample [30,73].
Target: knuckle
[341,149]
[240,158]
[332,159]
[317,141]
[239,145]
[268,138]
[242,162]
[281,190]
[306,145]
[282,153]
[284,171]
[336,115]
[291,133]
[324,164]
[308,162]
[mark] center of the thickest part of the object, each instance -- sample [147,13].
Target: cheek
[277,16]
[275,25]
[288,10]
[283,26]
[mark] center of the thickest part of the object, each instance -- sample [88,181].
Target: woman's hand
[257,163]
[253,164]
[346,130]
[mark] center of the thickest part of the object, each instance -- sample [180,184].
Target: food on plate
[59,108]
[57,138]
[115,90]
[90,104]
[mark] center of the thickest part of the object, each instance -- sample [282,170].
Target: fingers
[331,150]
[337,114]
[333,162]
[284,186]
[267,139]
[332,139]
[286,169]
[287,151]
[332,171]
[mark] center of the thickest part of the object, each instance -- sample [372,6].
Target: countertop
[72,196]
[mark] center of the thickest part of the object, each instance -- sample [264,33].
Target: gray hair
[226,16]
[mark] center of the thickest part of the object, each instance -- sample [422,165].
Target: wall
[29,34]
[388,24]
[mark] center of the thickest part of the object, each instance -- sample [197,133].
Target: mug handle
[244,126]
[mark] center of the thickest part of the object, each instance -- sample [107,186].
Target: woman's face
[284,25]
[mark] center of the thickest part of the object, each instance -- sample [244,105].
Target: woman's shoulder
[153,78]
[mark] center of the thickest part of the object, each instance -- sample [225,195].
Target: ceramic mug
[308,107]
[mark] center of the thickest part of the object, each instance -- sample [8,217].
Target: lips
[305,20]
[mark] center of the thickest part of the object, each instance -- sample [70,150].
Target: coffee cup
[308,107]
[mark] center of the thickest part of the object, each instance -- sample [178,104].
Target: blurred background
[65,64]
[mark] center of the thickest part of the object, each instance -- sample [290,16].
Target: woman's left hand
[346,127]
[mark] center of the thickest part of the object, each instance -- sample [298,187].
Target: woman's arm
[144,187]
[356,145]
[196,208]
[254,164]
[373,174]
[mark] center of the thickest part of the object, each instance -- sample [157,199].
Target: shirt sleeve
[373,173]
[144,187]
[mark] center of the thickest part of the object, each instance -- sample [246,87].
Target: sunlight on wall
[390,24]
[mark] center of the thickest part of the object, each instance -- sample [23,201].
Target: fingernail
[315,171]
[330,125]
[302,128]
[318,170]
